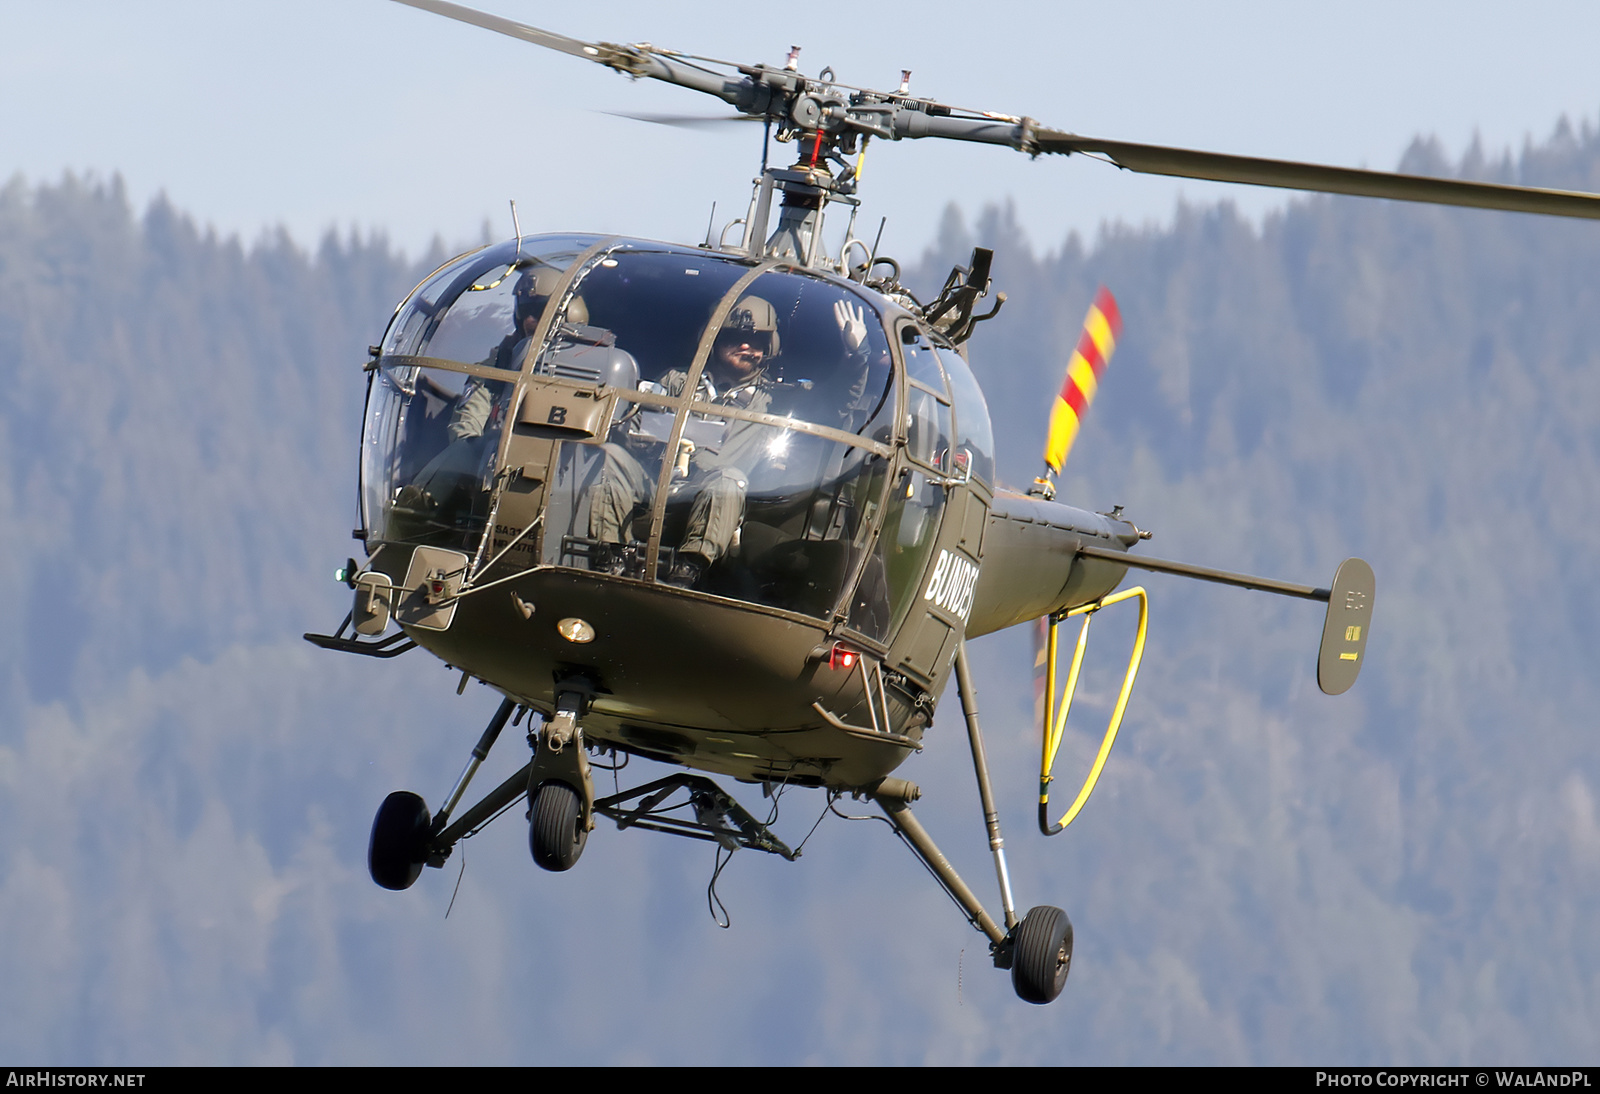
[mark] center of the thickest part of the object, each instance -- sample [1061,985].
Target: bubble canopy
[766,408]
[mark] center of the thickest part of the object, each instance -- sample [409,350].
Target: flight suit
[718,478]
[471,414]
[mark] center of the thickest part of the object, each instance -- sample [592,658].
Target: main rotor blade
[686,121]
[508,27]
[1152,159]
[1149,159]
[637,61]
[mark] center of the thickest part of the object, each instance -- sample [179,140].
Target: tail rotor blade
[1101,329]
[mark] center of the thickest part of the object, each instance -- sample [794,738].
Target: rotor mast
[821,173]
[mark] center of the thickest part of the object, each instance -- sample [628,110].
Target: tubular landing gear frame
[558,784]
[562,806]
[1038,947]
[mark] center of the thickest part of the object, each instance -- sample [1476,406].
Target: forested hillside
[1407,873]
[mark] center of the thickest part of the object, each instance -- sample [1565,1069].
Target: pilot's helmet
[754,317]
[533,289]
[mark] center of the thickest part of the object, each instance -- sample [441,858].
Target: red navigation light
[842,658]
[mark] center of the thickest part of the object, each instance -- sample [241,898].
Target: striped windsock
[1101,328]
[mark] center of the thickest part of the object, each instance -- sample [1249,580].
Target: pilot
[530,295]
[452,480]
[735,375]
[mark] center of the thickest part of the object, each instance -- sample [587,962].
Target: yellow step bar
[1055,725]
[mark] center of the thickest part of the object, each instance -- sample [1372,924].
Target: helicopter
[732,506]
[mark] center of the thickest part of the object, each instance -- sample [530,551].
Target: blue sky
[365,113]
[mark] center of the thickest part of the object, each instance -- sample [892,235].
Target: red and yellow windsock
[1101,328]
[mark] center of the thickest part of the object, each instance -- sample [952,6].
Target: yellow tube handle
[1055,724]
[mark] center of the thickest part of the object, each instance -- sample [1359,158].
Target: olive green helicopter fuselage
[872,538]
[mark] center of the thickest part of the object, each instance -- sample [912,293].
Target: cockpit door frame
[925,641]
[536,344]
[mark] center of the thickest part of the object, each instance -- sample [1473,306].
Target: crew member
[735,375]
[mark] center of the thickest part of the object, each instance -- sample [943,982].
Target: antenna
[710,224]
[516,234]
[872,256]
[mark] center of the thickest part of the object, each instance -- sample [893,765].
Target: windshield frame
[883,448]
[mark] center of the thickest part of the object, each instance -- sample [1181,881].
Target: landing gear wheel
[399,840]
[556,833]
[1043,954]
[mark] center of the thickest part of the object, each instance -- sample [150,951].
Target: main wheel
[556,833]
[399,840]
[1043,954]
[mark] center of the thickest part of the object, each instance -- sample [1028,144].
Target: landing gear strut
[557,782]
[1038,949]
[405,837]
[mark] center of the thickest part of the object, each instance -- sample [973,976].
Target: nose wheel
[556,831]
[560,788]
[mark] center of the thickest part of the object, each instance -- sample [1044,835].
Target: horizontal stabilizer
[1344,633]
